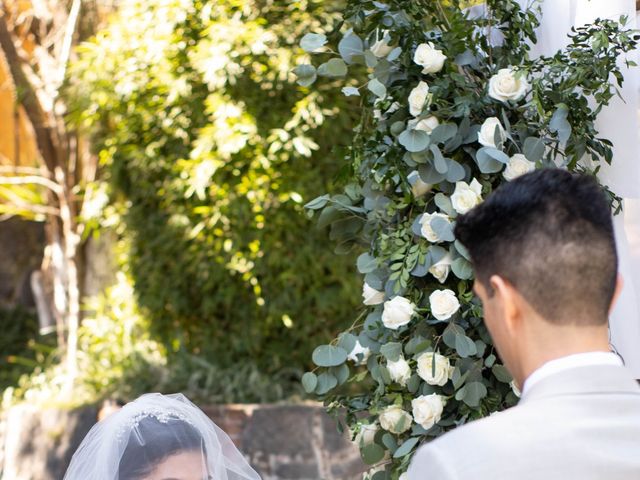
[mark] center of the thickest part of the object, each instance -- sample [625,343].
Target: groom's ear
[509,301]
[616,292]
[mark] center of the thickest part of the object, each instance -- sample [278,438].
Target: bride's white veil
[130,443]
[619,123]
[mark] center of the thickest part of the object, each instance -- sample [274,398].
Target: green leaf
[455,171]
[533,149]
[341,373]
[462,269]
[372,453]
[349,47]
[414,140]
[326,382]
[306,75]
[429,174]
[377,88]
[309,382]
[334,68]
[444,203]
[439,162]
[318,203]
[313,41]
[391,351]
[351,92]
[472,393]
[347,341]
[443,132]
[496,154]
[501,373]
[329,356]
[486,163]
[389,441]
[559,123]
[450,334]
[406,447]
[465,346]
[366,263]
[442,228]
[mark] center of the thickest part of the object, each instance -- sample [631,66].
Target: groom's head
[543,250]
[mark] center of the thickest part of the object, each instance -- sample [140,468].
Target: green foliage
[211,151]
[21,346]
[448,114]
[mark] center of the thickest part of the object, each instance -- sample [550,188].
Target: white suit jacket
[582,424]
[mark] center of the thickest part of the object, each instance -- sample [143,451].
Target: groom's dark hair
[550,234]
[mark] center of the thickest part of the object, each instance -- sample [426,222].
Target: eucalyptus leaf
[455,171]
[533,149]
[487,163]
[334,68]
[443,202]
[313,41]
[366,263]
[406,447]
[429,174]
[377,88]
[473,393]
[326,382]
[442,228]
[350,46]
[318,203]
[462,269]
[391,351]
[309,382]
[372,453]
[306,75]
[439,162]
[414,140]
[347,341]
[501,373]
[351,91]
[329,356]
[465,346]
[444,132]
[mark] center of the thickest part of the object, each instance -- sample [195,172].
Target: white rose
[359,354]
[428,57]
[437,376]
[466,196]
[487,133]
[427,410]
[397,312]
[400,371]
[441,269]
[418,98]
[395,420]
[404,476]
[507,85]
[518,165]
[418,187]
[443,303]
[371,296]
[382,48]
[426,230]
[427,125]
[366,434]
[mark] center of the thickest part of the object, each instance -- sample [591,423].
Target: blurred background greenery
[219,285]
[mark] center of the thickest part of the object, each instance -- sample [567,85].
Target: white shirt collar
[569,362]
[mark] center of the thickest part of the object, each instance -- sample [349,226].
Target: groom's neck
[546,342]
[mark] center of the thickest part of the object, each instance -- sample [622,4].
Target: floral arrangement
[452,105]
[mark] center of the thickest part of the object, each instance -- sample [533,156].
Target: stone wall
[282,442]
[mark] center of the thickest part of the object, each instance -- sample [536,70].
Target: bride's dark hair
[152,440]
